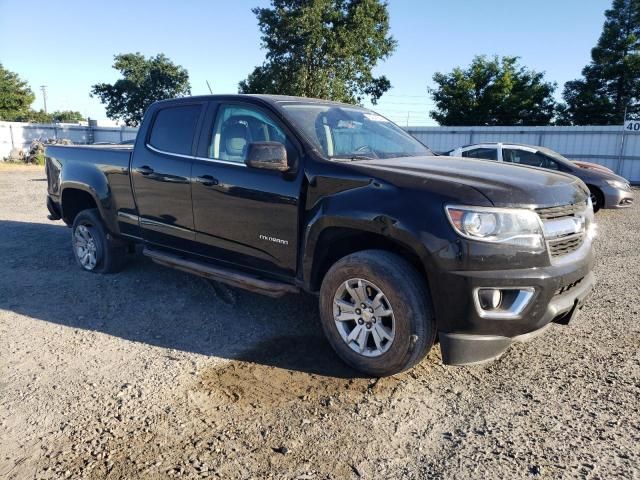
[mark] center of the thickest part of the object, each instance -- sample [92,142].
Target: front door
[161,173]
[246,216]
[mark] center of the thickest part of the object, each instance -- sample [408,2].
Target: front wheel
[93,248]
[597,199]
[376,312]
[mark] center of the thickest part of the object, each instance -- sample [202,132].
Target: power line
[383,102]
[405,96]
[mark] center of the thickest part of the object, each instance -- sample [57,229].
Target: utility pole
[44,96]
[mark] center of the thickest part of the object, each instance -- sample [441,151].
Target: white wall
[20,135]
[609,146]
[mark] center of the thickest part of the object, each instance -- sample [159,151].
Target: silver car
[608,190]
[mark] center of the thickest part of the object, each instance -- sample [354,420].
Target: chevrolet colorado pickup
[282,194]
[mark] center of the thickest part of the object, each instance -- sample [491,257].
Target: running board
[234,278]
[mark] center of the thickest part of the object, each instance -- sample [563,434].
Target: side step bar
[234,278]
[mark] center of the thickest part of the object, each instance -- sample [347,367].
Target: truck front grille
[563,245]
[560,211]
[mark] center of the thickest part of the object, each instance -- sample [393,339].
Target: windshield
[352,133]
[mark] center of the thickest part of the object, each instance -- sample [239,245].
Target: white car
[608,190]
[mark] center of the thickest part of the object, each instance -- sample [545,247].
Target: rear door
[242,215]
[161,175]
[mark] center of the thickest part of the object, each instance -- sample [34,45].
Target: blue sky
[69,45]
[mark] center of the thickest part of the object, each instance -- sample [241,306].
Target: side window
[523,157]
[174,127]
[549,163]
[483,153]
[236,127]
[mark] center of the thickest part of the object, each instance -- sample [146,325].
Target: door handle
[144,170]
[207,180]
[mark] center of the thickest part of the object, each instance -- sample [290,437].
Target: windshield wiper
[351,158]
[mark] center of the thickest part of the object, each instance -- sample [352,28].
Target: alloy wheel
[85,247]
[364,317]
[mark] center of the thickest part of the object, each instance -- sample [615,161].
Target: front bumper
[468,335]
[616,197]
[466,349]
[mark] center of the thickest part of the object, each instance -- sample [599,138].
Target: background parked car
[591,165]
[608,190]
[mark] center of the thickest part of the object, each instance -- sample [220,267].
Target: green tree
[322,48]
[35,116]
[67,116]
[611,82]
[144,81]
[39,116]
[15,95]
[492,91]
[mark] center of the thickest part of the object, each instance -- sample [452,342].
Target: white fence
[610,146]
[15,135]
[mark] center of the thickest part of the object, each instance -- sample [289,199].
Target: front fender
[374,208]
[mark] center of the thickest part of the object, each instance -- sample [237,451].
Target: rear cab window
[174,128]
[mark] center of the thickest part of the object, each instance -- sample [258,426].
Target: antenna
[209,87]
[44,96]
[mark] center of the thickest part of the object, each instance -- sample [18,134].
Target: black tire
[408,297]
[597,198]
[110,253]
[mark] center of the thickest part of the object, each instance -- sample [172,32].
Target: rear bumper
[617,198]
[466,349]
[55,212]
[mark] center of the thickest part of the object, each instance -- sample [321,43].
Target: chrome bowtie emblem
[564,226]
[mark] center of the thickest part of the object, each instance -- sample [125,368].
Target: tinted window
[484,153]
[173,129]
[523,157]
[236,127]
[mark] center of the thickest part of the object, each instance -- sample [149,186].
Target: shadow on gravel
[158,306]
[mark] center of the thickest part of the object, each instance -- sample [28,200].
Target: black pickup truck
[283,194]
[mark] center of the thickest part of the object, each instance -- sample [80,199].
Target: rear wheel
[376,312]
[597,199]
[94,249]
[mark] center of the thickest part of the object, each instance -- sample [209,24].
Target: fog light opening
[502,302]
[490,298]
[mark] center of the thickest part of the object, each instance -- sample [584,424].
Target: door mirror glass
[267,155]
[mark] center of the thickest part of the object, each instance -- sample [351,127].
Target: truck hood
[502,184]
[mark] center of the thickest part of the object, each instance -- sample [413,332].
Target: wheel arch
[78,196]
[73,200]
[598,191]
[332,243]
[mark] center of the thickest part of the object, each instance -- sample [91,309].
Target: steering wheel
[366,149]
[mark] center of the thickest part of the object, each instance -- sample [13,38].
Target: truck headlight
[508,226]
[618,184]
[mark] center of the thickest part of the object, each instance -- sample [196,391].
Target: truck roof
[273,99]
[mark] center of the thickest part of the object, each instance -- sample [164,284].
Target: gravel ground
[153,373]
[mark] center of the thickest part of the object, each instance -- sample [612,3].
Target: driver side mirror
[267,155]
